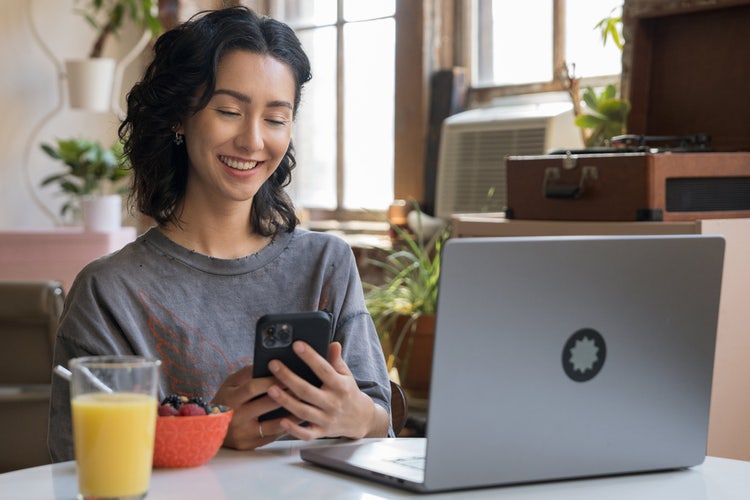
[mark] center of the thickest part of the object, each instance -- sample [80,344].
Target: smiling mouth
[237,164]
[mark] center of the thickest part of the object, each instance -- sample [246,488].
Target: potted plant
[403,305]
[605,116]
[93,181]
[90,80]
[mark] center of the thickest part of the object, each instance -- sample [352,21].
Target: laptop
[556,358]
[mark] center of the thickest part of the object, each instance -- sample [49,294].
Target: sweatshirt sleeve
[361,348]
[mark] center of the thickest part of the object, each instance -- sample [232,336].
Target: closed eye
[226,112]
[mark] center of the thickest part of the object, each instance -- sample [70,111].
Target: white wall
[30,89]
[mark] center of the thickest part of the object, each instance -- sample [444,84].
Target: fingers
[301,391]
[297,403]
[325,369]
[246,432]
[335,359]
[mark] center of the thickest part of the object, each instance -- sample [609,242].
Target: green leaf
[588,121]
[609,92]
[589,98]
[90,167]
[611,26]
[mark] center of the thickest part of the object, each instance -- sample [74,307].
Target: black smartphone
[274,335]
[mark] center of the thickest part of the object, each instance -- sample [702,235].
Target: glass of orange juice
[114,408]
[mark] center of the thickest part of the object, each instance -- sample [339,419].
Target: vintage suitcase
[685,70]
[629,186]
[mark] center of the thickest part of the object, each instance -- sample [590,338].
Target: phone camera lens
[269,337]
[285,334]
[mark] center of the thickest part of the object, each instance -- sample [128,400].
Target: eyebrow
[245,98]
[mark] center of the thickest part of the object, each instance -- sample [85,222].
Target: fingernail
[273,366]
[299,347]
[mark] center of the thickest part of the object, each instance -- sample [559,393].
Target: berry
[199,401]
[174,400]
[191,409]
[178,405]
[166,410]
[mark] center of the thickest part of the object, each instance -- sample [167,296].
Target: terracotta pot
[414,359]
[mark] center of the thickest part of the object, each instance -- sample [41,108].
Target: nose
[250,137]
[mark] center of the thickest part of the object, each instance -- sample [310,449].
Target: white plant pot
[102,214]
[90,83]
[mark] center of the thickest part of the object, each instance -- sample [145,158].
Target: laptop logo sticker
[584,354]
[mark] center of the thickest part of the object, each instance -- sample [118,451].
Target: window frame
[478,96]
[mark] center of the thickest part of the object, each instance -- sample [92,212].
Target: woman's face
[236,142]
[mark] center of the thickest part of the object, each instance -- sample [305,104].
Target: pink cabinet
[55,254]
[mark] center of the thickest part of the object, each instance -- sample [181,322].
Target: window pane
[583,42]
[314,179]
[368,114]
[359,10]
[305,12]
[522,41]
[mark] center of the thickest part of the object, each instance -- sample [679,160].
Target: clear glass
[305,12]
[522,41]
[369,89]
[368,72]
[359,10]
[522,45]
[583,41]
[314,136]
[114,408]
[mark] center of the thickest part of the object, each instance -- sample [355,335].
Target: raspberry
[166,410]
[191,409]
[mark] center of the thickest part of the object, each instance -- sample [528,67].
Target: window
[344,132]
[526,44]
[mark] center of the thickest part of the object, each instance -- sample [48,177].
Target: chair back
[29,314]
[399,407]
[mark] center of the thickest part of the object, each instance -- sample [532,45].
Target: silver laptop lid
[559,357]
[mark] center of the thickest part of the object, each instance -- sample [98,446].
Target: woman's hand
[239,391]
[337,408]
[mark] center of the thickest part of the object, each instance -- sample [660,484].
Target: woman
[208,132]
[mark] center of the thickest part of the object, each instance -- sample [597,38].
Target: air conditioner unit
[474,144]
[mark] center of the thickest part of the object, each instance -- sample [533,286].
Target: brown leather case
[685,70]
[629,186]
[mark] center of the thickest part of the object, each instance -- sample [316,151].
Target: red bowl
[189,441]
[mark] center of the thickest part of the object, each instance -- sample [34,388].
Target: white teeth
[239,165]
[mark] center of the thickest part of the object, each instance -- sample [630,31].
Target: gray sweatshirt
[198,313]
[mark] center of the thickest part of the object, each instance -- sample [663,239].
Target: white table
[276,471]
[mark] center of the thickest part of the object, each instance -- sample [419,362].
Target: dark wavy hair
[185,61]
